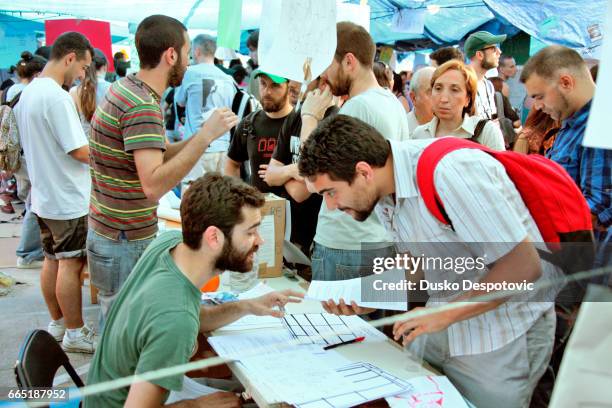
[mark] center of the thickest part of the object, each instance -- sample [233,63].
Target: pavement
[23,309]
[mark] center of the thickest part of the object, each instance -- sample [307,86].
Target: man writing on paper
[494,352]
[157,315]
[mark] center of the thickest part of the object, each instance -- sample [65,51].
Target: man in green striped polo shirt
[132,167]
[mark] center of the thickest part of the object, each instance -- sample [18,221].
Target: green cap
[276,79]
[479,40]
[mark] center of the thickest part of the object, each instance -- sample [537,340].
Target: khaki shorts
[62,239]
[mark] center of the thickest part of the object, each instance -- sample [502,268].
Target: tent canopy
[576,24]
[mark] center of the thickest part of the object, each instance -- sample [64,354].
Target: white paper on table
[597,131]
[428,391]
[238,346]
[585,374]
[292,31]
[266,252]
[369,382]
[300,375]
[326,329]
[251,322]
[351,290]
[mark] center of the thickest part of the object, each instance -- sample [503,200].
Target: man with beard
[339,240]
[256,135]
[482,49]
[156,318]
[56,151]
[494,352]
[131,165]
[558,80]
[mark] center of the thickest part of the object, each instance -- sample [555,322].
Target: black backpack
[244,104]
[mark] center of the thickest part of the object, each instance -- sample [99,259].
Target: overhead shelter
[575,24]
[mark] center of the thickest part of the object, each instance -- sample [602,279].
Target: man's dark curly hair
[215,200]
[338,144]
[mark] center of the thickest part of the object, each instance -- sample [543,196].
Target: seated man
[156,318]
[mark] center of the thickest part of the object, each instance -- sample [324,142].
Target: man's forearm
[279,175]
[171,172]
[522,263]
[297,190]
[172,149]
[309,124]
[213,317]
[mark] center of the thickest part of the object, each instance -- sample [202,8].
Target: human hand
[219,400]
[410,329]
[316,103]
[219,123]
[343,309]
[264,305]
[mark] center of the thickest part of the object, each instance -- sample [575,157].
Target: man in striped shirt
[131,165]
[494,352]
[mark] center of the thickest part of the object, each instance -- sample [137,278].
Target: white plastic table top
[388,356]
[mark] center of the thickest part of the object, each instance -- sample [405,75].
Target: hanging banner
[230,17]
[97,32]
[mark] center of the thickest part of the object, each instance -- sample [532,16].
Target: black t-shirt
[288,145]
[256,146]
[304,215]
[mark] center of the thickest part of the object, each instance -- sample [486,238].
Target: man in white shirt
[205,88]
[482,49]
[420,94]
[494,352]
[339,240]
[57,153]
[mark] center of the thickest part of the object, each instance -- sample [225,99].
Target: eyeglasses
[490,47]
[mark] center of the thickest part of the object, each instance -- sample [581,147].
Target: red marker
[357,340]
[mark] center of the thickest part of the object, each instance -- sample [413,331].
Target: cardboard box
[272,230]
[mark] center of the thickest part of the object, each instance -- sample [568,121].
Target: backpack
[10,145]
[244,103]
[553,199]
[505,123]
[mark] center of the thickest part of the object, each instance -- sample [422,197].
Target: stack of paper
[310,379]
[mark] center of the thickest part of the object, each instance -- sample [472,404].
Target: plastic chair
[39,359]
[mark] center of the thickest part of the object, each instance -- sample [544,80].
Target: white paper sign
[292,31]
[409,21]
[355,13]
[598,128]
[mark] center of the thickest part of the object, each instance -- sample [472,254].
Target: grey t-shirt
[381,109]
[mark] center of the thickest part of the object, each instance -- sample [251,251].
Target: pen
[356,340]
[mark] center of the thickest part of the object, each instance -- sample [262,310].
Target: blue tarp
[575,24]
[17,35]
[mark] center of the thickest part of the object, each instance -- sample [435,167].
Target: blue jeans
[330,264]
[30,247]
[110,264]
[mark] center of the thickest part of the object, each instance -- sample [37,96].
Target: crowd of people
[100,150]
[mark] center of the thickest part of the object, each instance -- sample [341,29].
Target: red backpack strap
[426,167]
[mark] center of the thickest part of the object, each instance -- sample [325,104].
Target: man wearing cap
[483,52]
[255,137]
